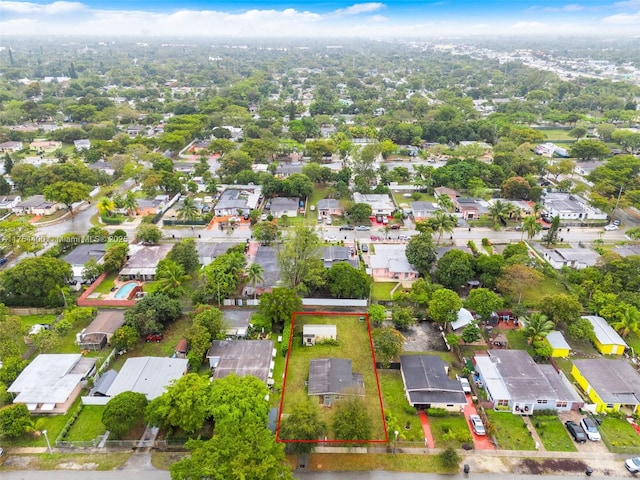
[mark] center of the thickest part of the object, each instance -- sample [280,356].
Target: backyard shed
[317,333]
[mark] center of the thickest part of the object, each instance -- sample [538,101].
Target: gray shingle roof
[426,380]
[333,376]
[615,381]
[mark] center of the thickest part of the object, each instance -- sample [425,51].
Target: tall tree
[351,420]
[188,210]
[454,269]
[536,327]
[561,308]
[444,305]
[387,344]
[303,423]
[442,222]
[421,253]
[255,275]
[170,278]
[483,301]
[628,322]
[67,192]
[531,226]
[346,281]
[299,260]
[278,306]
[148,233]
[516,278]
[124,411]
[106,206]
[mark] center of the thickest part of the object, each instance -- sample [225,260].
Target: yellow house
[607,340]
[559,346]
[610,384]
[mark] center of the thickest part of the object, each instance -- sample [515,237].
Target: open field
[354,343]
[382,290]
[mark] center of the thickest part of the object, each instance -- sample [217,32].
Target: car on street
[633,464]
[363,228]
[477,425]
[364,248]
[591,429]
[610,227]
[576,431]
[347,227]
[466,387]
[331,239]
[616,223]
[154,337]
[395,226]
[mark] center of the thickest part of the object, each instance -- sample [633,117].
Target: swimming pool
[125,290]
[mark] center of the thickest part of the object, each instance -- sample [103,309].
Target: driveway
[593,448]
[480,442]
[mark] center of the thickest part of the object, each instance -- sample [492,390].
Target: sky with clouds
[391,19]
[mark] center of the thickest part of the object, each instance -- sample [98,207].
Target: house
[99,332]
[102,166]
[52,382]
[423,210]
[143,261]
[267,258]
[238,200]
[36,205]
[559,346]
[576,258]
[570,207]
[283,170]
[381,204]
[334,253]
[147,375]
[451,193]
[135,130]
[45,145]
[208,252]
[80,255]
[585,168]
[627,250]
[237,322]
[390,261]
[463,318]
[242,357]
[318,333]
[11,147]
[515,383]
[152,206]
[427,383]
[331,379]
[607,340]
[470,208]
[329,206]
[610,384]
[284,206]
[83,144]
[7,202]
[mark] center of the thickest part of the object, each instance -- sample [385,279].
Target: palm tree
[629,321]
[106,206]
[443,222]
[531,226]
[63,291]
[445,203]
[189,210]
[170,278]
[130,203]
[499,211]
[254,275]
[537,327]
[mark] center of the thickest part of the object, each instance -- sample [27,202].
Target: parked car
[363,228]
[1,451]
[395,226]
[364,247]
[263,217]
[591,429]
[576,431]
[466,387]
[154,337]
[329,221]
[3,260]
[610,227]
[347,227]
[633,464]
[477,425]
[616,223]
[331,239]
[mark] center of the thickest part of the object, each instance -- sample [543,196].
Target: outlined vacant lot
[354,343]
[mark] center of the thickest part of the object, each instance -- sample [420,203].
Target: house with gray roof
[143,261]
[331,379]
[235,200]
[610,384]
[328,206]
[335,253]
[422,210]
[284,206]
[52,382]
[576,258]
[36,205]
[515,383]
[427,383]
[99,332]
[80,255]
[147,375]
[283,170]
[242,357]
[390,261]
[208,252]
[606,339]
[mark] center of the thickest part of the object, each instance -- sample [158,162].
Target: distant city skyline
[385,20]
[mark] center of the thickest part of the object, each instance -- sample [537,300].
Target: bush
[486,242]
[328,341]
[449,459]
[437,412]
[117,220]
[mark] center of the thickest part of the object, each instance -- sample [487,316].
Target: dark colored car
[395,226]
[347,227]
[576,431]
[154,337]
[3,260]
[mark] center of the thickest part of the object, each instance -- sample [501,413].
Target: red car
[154,337]
[395,226]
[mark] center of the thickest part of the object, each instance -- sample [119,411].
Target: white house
[577,258]
[381,204]
[570,207]
[317,333]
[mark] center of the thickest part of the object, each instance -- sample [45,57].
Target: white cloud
[627,4]
[624,19]
[359,8]
[573,7]
[46,9]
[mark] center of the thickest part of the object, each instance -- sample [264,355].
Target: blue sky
[384,19]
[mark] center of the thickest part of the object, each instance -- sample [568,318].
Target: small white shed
[317,333]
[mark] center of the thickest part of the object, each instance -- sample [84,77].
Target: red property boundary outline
[375,369]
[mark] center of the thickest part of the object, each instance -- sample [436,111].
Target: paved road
[85,475]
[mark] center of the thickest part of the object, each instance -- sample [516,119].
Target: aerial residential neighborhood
[310,254]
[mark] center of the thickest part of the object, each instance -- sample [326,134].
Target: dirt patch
[18,462]
[77,466]
[423,337]
[531,466]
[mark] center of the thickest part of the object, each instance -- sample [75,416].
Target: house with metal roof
[336,253]
[148,375]
[99,332]
[390,261]
[240,200]
[515,383]
[610,384]
[607,340]
[381,204]
[242,357]
[427,383]
[558,344]
[331,379]
[52,382]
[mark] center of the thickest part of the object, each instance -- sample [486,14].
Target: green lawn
[382,290]
[107,284]
[354,344]
[510,431]
[531,297]
[88,425]
[396,404]
[353,462]
[619,435]
[517,339]
[31,320]
[553,434]
[450,431]
[318,194]
[556,135]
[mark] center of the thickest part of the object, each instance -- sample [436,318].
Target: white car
[477,425]
[331,239]
[466,388]
[610,227]
[363,228]
[633,464]
[591,429]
